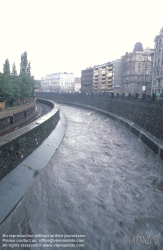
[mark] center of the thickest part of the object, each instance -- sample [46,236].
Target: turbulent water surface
[102,183]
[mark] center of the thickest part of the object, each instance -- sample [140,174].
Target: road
[103,183]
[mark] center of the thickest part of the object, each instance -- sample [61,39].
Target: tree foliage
[25,65]
[6,67]
[14,72]
[13,86]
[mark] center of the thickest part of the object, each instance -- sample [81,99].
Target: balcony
[109,88]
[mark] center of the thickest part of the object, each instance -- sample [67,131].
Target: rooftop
[138,47]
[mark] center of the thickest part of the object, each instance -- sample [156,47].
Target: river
[102,188]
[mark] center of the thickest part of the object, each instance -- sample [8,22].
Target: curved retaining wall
[129,113]
[16,146]
[148,115]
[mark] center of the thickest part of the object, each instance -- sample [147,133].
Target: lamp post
[49,86]
[144,86]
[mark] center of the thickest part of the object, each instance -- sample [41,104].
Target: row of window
[147,65]
[157,83]
[132,84]
[134,78]
[158,62]
[147,72]
[140,58]
[157,91]
[158,72]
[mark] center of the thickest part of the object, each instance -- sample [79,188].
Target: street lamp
[144,86]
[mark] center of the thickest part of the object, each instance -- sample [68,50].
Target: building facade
[78,84]
[108,77]
[157,69]
[37,85]
[58,82]
[87,80]
[137,72]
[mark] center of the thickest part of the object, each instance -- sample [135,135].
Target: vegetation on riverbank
[14,86]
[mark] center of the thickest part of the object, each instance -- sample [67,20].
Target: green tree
[24,63]
[6,67]
[12,85]
[29,69]
[14,71]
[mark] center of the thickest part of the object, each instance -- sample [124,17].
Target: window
[139,65]
[162,61]
[154,82]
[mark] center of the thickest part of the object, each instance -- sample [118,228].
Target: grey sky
[70,35]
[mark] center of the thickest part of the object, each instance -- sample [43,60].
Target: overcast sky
[71,35]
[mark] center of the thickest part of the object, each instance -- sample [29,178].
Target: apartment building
[137,72]
[108,76]
[87,80]
[77,84]
[58,82]
[157,69]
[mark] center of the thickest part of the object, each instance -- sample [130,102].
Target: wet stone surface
[103,182]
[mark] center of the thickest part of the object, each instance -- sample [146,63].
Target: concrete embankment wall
[142,117]
[16,146]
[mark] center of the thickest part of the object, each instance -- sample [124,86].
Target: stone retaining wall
[16,146]
[145,113]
